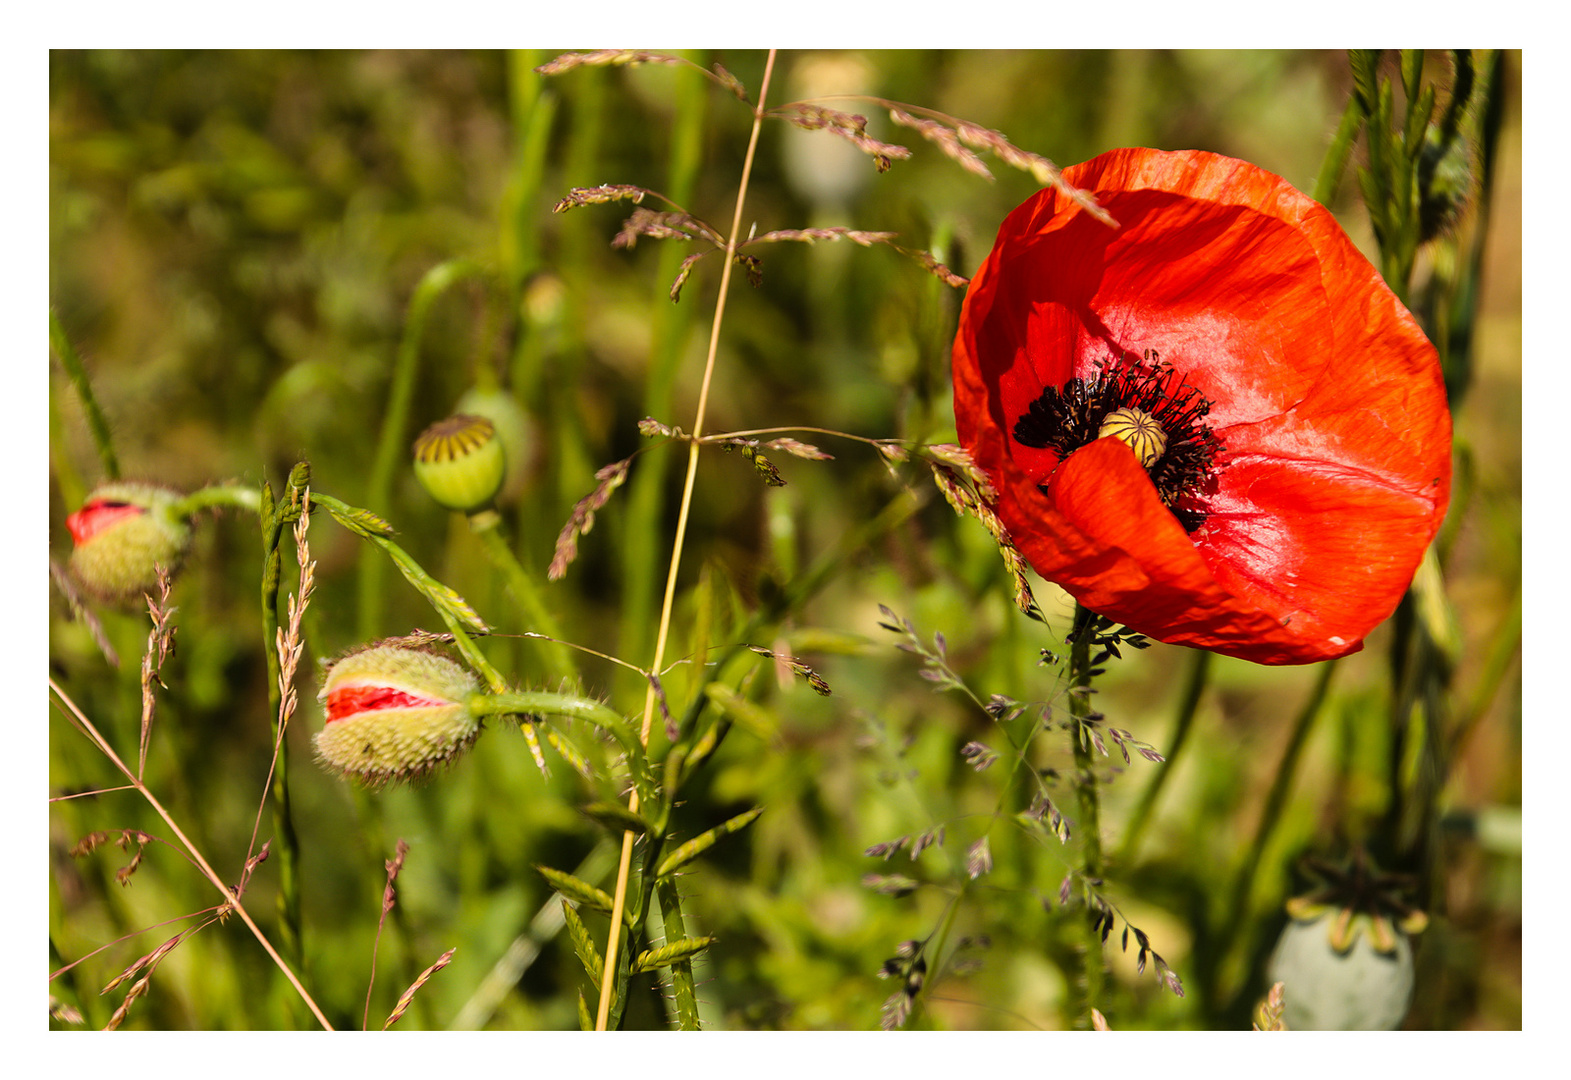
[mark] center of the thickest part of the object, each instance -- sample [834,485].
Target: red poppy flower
[1214,423]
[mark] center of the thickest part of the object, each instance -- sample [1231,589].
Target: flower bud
[395,713]
[460,462]
[122,534]
[515,429]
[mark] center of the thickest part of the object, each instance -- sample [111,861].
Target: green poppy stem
[390,447]
[273,519]
[540,702]
[219,495]
[60,342]
[1236,912]
[1089,947]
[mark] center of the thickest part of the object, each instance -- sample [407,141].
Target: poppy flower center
[1140,430]
[1145,403]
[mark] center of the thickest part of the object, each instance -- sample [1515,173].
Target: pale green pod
[460,462]
[520,445]
[1357,988]
[1140,430]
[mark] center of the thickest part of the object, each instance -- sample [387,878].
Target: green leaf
[567,748]
[576,889]
[358,521]
[1365,64]
[695,847]
[1412,72]
[743,712]
[1418,116]
[584,946]
[666,955]
[446,601]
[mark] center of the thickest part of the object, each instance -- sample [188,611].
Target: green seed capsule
[395,714]
[460,462]
[1355,988]
[513,426]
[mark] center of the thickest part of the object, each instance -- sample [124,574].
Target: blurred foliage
[235,237]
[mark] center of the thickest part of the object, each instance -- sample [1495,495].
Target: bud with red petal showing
[122,534]
[395,713]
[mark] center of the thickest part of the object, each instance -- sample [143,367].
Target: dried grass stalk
[409,995]
[160,643]
[604,193]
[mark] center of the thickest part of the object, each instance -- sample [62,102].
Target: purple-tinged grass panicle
[582,518]
[602,193]
[849,126]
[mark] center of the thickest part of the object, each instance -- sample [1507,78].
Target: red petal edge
[97,516]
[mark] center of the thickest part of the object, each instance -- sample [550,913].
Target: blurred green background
[235,237]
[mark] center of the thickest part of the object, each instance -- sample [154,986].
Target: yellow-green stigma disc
[1140,430]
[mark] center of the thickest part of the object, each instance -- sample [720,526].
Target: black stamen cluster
[1068,418]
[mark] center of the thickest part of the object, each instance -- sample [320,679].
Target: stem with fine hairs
[619,898]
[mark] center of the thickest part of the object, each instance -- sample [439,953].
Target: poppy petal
[1332,467]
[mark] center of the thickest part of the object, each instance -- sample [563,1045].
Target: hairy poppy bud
[123,533]
[460,462]
[395,714]
[513,426]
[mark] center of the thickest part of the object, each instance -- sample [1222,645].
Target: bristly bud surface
[395,714]
[122,534]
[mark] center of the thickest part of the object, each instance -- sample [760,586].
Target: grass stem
[623,868]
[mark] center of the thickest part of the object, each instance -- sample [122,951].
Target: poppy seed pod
[122,534]
[460,462]
[395,713]
[1357,988]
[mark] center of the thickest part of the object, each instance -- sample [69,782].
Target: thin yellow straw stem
[618,902]
[230,898]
